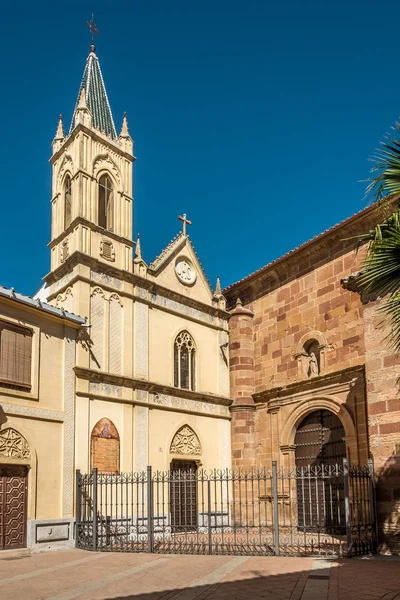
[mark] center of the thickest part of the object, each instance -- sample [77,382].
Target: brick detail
[105,447]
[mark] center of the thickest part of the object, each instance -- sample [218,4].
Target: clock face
[185,271]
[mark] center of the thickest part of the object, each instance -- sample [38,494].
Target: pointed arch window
[106,203]
[184,361]
[67,202]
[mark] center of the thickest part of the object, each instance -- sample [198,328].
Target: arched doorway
[320,445]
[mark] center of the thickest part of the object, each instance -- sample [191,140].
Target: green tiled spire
[96,96]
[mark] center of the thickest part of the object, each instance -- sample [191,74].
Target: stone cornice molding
[339,381]
[148,386]
[94,227]
[77,258]
[94,134]
[32,412]
[242,407]
[256,284]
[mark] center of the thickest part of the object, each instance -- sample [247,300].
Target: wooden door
[319,443]
[13,507]
[183,495]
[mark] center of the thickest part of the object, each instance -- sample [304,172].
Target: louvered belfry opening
[183,495]
[320,442]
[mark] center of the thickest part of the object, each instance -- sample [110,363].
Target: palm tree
[380,274]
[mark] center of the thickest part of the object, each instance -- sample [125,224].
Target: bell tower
[91,205]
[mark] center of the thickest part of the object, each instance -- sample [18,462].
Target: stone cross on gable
[185,222]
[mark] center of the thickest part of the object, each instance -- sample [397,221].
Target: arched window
[106,203]
[67,202]
[184,361]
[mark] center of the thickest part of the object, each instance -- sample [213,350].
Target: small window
[184,361]
[15,356]
[106,203]
[67,202]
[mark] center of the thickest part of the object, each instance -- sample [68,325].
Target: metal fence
[317,510]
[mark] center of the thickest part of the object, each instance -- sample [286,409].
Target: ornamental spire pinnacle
[60,130]
[96,99]
[124,128]
[138,250]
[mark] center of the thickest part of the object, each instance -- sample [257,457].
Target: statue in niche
[313,356]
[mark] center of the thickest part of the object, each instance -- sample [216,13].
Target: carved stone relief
[13,444]
[185,442]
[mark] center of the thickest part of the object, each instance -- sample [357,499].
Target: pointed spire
[124,128]
[239,302]
[138,250]
[218,287]
[60,130]
[93,96]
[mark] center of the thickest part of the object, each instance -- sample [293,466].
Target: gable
[178,269]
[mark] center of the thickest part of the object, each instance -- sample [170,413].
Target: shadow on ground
[358,579]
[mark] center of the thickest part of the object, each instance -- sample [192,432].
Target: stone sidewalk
[78,574]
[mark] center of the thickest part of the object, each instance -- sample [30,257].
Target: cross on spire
[93,30]
[185,222]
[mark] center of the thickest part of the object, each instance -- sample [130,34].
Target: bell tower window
[106,203]
[67,202]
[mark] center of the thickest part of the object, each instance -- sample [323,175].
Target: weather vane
[92,28]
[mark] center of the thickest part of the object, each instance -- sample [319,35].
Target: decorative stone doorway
[13,506]
[320,442]
[183,495]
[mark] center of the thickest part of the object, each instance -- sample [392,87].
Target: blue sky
[255,118]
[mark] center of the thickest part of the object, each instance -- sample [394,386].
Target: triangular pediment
[178,269]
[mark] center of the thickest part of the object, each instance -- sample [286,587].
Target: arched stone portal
[319,447]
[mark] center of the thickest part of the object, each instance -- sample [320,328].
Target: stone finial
[124,128]
[138,250]
[218,287]
[240,309]
[82,99]
[60,130]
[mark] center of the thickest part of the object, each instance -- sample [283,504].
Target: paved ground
[78,574]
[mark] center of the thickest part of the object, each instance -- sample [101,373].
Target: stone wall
[382,373]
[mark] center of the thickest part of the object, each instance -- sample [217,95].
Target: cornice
[94,227]
[94,134]
[338,381]
[149,386]
[78,258]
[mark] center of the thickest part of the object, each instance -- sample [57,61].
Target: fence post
[372,505]
[94,548]
[276,507]
[78,506]
[347,506]
[209,516]
[150,511]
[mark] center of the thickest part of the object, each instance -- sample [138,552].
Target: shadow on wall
[388,504]
[3,418]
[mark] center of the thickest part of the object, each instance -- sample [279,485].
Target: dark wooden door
[183,495]
[13,507]
[320,443]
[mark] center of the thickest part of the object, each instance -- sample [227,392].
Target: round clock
[185,271]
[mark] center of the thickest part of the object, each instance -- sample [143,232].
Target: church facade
[117,364]
[312,378]
[146,380]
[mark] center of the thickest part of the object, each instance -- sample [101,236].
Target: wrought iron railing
[317,510]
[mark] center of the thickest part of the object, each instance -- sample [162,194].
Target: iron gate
[239,512]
